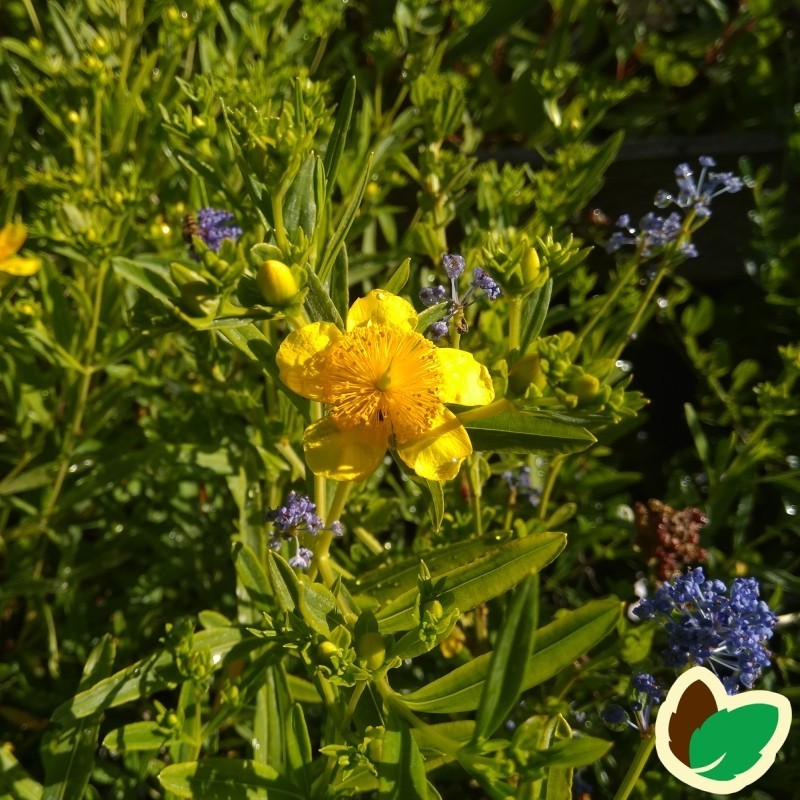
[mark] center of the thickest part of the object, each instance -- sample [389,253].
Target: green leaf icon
[731,741]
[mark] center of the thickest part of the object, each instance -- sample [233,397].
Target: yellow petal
[466,382]
[343,455]
[17,265]
[301,357]
[382,308]
[437,454]
[11,238]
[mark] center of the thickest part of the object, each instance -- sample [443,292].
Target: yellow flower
[385,386]
[12,237]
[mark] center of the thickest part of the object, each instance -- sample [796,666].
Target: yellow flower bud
[276,283]
[434,607]
[73,116]
[371,648]
[584,387]
[325,650]
[531,266]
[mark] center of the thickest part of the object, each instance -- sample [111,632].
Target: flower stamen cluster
[703,624]
[454,266]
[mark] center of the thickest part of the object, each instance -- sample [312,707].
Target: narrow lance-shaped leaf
[68,752]
[298,749]
[399,277]
[558,645]
[337,240]
[152,674]
[252,575]
[228,779]
[468,586]
[333,153]
[401,770]
[513,647]
[523,432]
[391,580]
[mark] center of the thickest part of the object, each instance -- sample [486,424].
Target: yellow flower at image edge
[385,386]
[12,237]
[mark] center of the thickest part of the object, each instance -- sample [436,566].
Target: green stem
[438,740]
[637,765]
[552,475]
[514,322]
[602,313]
[322,543]
[644,306]
[83,395]
[475,487]
[277,218]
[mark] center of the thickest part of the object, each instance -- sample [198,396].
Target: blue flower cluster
[656,232]
[521,483]
[454,266]
[211,227]
[297,515]
[699,194]
[704,624]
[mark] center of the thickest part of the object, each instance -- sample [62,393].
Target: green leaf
[498,19]
[318,303]
[138,736]
[514,646]
[468,586]
[391,580]
[340,283]
[284,582]
[15,782]
[228,779]
[250,341]
[521,432]
[299,205]
[331,250]
[575,752]
[153,674]
[738,736]
[68,751]
[316,605]
[399,277]
[558,645]
[436,507]
[333,153]
[697,319]
[534,313]
[401,770]
[298,749]
[251,574]
[150,274]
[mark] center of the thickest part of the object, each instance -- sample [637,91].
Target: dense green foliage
[468,632]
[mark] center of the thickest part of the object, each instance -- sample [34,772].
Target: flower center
[383,377]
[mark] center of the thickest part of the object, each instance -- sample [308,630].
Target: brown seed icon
[696,705]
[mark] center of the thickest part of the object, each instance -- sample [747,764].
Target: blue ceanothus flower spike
[707,626]
[454,266]
[211,227]
[297,515]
